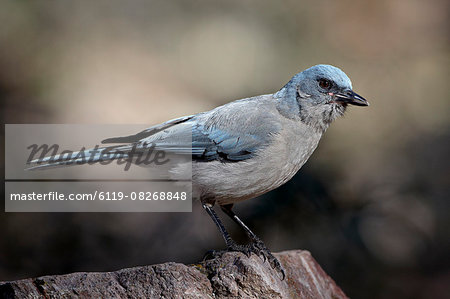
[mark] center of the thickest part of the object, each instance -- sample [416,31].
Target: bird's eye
[325,84]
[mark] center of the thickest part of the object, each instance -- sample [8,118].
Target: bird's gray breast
[272,166]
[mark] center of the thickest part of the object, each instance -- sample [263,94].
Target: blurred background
[372,204]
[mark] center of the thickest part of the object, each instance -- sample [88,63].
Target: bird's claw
[211,254]
[257,247]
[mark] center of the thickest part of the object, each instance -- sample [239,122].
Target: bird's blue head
[319,95]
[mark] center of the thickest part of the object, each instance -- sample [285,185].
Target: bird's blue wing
[230,133]
[206,143]
[218,144]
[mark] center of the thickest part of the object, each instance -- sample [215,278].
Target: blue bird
[251,146]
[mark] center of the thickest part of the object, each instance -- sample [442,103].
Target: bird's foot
[260,249]
[211,254]
[257,247]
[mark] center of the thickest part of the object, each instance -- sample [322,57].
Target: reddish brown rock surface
[232,276]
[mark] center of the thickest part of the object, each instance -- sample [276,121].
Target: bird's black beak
[350,97]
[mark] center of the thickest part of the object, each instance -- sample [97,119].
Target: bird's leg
[219,224]
[257,246]
[227,209]
[231,244]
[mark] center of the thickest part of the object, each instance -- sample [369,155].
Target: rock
[233,275]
